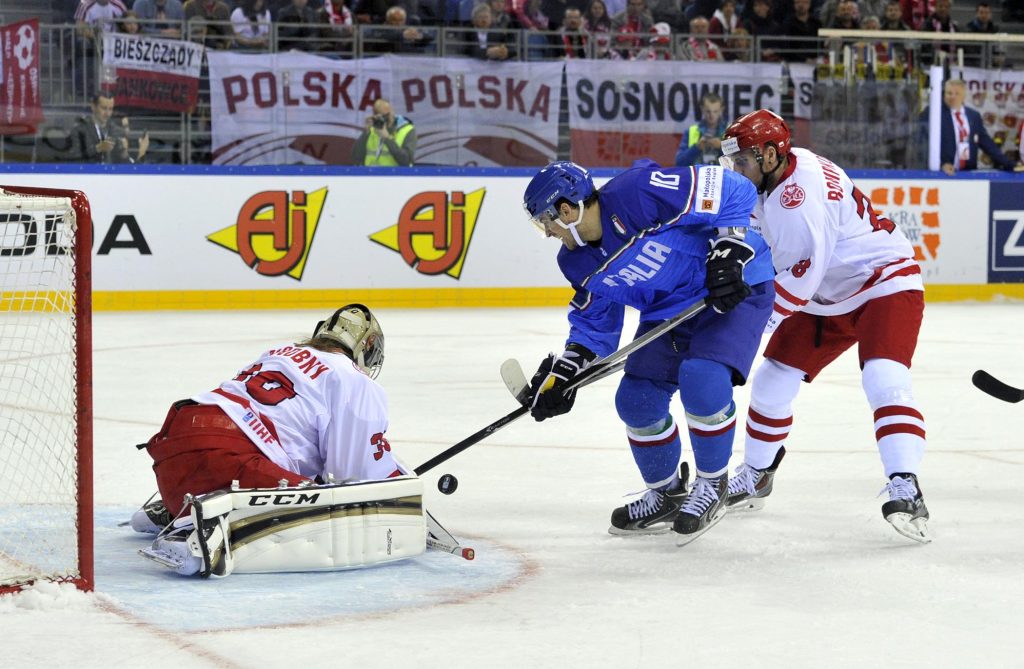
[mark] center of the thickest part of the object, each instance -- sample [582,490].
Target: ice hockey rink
[817,578]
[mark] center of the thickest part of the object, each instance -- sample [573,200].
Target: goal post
[46,487]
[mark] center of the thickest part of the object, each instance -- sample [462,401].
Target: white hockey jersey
[312,413]
[832,252]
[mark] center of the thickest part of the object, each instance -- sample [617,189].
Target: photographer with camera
[99,138]
[387,141]
[702,142]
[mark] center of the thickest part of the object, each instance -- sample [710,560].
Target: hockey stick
[599,369]
[515,380]
[989,384]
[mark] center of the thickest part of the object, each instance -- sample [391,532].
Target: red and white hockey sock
[770,416]
[765,436]
[899,425]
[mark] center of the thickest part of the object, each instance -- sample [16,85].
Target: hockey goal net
[45,388]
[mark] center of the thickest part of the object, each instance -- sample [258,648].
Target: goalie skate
[172,551]
[652,513]
[152,518]
[749,486]
[906,510]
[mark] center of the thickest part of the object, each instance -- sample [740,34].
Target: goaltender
[299,419]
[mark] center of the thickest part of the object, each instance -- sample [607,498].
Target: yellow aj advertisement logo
[274,232]
[434,230]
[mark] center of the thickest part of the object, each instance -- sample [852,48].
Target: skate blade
[683,539]
[911,528]
[660,528]
[747,505]
[169,561]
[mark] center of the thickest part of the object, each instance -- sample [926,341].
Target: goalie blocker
[309,528]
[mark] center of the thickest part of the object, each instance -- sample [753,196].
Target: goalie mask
[562,180]
[359,333]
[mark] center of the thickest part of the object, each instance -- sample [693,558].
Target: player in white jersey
[309,411]
[844,275]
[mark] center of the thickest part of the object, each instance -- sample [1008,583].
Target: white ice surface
[817,579]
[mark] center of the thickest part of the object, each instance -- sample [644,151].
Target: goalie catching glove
[547,387]
[725,262]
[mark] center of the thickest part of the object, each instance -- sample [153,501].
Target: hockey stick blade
[512,372]
[990,385]
[515,380]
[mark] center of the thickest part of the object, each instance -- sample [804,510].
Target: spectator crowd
[714,30]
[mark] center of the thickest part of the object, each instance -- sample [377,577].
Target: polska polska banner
[291,108]
[300,108]
[474,112]
[153,73]
[620,111]
[20,107]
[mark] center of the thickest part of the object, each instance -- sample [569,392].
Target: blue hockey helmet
[562,180]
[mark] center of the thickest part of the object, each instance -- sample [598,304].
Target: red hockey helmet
[754,130]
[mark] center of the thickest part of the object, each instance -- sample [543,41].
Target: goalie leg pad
[326,528]
[311,528]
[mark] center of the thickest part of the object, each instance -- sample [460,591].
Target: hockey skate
[654,512]
[152,518]
[906,510]
[749,486]
[172,551]
[702,508]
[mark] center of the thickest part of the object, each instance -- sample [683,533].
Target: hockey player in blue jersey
[659,239]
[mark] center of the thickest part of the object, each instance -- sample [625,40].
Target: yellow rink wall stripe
[380,298]
[420,298]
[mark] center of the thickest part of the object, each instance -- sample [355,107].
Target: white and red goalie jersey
[832,252]
[312,413]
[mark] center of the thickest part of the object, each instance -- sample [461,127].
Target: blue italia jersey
[657,223]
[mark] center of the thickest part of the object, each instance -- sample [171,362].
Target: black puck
[447,484]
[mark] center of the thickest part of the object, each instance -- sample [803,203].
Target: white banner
[300,108]
[291,108]
[802,75]
[473,112]
[153,73]
[623,110]
[153,54]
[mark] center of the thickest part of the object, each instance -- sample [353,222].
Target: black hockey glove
[725,262]
[547,387]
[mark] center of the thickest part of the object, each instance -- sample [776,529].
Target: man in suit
[485,43]
[963,133]
[96,138]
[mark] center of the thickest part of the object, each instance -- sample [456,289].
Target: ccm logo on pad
[284,499]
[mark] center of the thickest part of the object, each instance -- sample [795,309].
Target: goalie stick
[990,385]
[599,369]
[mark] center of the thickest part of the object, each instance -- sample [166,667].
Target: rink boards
[310,237]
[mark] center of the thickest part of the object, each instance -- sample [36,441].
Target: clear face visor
[730,147]
[544,220]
